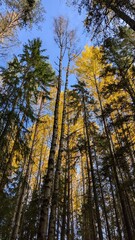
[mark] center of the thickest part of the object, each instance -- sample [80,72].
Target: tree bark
[92,171]
[114,162]
[58,164]
[48,179]
[23,186]
[122,15]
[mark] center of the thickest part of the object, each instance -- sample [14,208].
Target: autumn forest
[67,135]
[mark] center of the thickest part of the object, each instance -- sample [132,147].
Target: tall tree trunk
[114,163]
[102,196]
[92,171]
[58,164]
[68,181]
[23,186]
[72,212]
[8,164]
[48,179]
[115,208]
[86,222]
[63,227]
[91,214]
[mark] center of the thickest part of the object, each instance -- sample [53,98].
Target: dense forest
[67,147]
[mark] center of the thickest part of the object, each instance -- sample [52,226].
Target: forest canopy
[67,142]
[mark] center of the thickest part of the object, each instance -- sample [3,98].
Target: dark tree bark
[60,26]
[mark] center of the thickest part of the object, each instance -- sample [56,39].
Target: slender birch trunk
[48,179]
[58,164]
[63,226]
[60,26]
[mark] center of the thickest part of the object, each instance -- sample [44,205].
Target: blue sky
[53,8]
